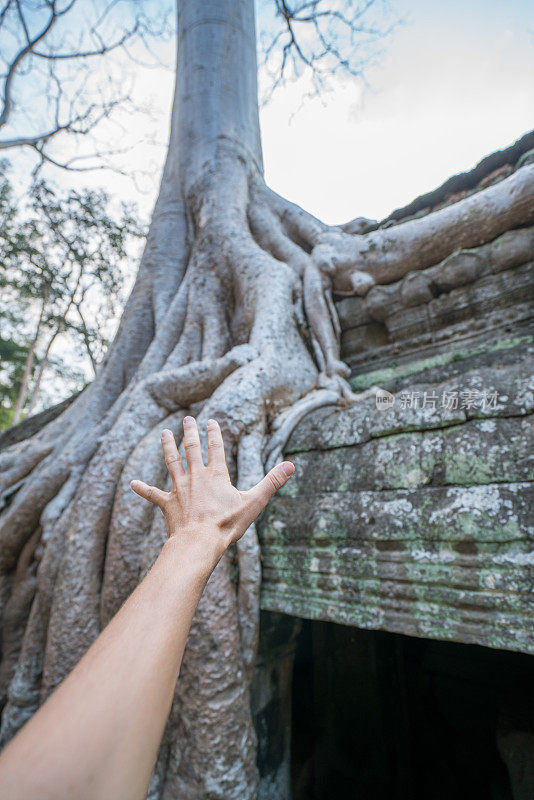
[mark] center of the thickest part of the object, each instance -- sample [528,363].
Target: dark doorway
[380,715]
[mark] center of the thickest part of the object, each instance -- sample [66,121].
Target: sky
[455,83]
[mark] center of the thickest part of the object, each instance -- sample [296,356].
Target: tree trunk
[42,366]
[231,317]
[30,358]
[44,360]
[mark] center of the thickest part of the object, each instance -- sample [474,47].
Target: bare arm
[98,734]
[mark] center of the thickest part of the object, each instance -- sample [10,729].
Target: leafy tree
[64,267]
[12,359]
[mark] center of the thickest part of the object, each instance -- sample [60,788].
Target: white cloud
[455,85]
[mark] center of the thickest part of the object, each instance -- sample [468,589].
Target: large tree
[231,317]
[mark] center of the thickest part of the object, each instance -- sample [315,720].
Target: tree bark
[231,316]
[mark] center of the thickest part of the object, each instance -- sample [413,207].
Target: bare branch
[23,52]
[74,101]
[76,126]
[102,50]
[323,38]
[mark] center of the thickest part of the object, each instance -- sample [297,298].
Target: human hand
[203,509]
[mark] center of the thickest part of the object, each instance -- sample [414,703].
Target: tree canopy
[64,263]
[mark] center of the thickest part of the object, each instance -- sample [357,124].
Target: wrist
[193,549]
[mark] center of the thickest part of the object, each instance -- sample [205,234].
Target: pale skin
[98,734]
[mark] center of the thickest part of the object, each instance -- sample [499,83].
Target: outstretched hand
[203,508]
[122,693]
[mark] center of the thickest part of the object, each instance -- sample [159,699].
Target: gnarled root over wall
[232,317]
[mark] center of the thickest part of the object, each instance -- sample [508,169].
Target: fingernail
[132,484]
[211,423]
[288,468]
[188,420]
[166,434]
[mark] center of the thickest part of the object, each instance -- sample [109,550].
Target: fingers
[193,453]
[258,497]
[150,493]
[215,445]
[172,457]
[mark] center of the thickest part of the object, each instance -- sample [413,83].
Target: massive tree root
[238,324]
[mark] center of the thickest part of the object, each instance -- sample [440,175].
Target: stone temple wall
[418,518]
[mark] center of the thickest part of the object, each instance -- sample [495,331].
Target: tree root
[249,334]
[24,691]
[16,612]
[286,422]
[250,470]
[17,462]
[179,388]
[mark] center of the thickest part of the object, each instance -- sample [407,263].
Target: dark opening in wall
[379,715]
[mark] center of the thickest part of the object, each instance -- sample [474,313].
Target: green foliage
[65,263]
[12,358]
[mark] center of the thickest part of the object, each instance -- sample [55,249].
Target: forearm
[98,735]
[122,691]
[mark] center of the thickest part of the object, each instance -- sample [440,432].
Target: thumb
[258,497]
[150,493]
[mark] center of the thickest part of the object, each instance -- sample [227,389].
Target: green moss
[382,376]
[468,469]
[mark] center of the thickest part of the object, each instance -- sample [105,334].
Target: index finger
[171,454]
